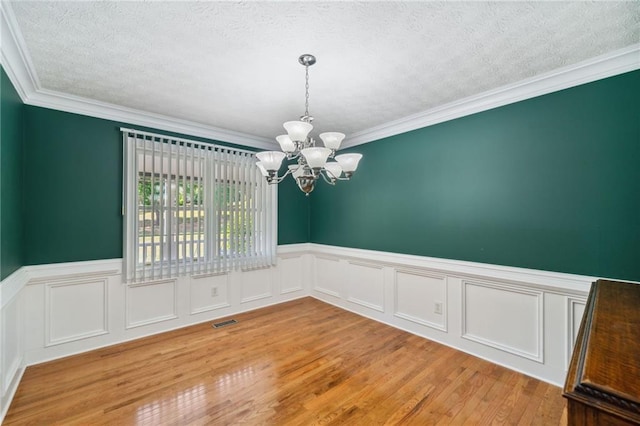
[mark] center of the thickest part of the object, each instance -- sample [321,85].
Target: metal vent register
[223,323]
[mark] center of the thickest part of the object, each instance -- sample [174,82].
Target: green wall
[293,213]
[549,183]
[73,189]
[11,184]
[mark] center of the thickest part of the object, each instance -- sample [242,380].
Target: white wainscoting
[508,318]
[208,293]
[293,272]
[256,284]
[328,276]
[67,301]
[12,336]
[151,302]
[421,297]
[52,311]
[365,285]
[11,342]
[523,319]
[575,311]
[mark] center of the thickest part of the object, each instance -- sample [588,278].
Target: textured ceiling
[234,65]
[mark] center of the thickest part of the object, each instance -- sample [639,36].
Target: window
[193,208]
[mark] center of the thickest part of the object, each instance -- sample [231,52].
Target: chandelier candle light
[311,160]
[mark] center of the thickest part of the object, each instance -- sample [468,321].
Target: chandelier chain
[306,87]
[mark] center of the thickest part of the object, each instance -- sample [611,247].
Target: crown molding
[17,64]
[84,106]
[608,65]
[15,59]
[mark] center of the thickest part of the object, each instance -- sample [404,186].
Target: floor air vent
[223,323]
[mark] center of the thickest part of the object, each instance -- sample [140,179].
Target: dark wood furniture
[603,382]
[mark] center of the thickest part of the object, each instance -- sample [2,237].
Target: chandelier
[311,161]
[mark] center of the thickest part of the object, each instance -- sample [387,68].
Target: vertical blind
[193,208]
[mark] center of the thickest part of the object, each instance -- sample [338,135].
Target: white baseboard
[10,392]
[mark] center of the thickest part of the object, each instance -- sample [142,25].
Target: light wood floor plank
[302,363]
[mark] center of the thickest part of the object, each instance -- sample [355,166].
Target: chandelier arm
[278,179]
[293,155]
[329,180]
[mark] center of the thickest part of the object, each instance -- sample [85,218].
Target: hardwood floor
[300,363]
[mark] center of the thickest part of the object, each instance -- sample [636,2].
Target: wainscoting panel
[12,336]
[256,284]
[508,318]
[421,297]
[328,276]
[365,285]
[12,342]
[208,293]
[292,274]
[75,310]
[575,312]
[149,303]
